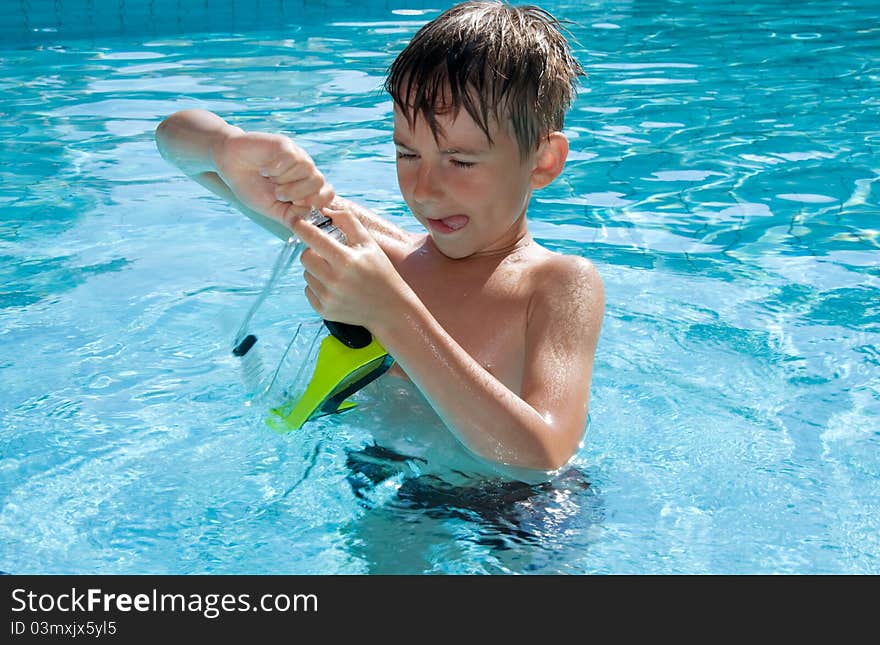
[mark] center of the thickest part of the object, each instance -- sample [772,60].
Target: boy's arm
[199,143]
[265,176]
[542,426]
[539,428]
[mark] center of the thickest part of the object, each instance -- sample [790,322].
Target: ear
[549,160]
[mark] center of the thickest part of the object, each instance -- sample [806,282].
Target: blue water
[723,178]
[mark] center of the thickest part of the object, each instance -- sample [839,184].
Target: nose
[426,187]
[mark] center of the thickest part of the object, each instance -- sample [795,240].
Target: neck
[509,248]
[521,241]
[514,239]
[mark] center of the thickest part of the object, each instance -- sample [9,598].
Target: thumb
[346,221]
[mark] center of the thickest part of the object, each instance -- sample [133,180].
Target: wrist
[219,143]
[399,318]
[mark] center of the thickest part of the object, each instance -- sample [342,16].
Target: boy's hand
[271,175]
[355,284]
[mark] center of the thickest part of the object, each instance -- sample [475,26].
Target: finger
[306,193]
[300,191]
[294,170]
[327,247]
[289,157]
[345,220]
[316,286]
[297,170]
[314,301]
[288,213]
[325,196]
[317,269]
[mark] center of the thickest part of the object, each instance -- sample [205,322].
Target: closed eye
[462,164]
[406,156]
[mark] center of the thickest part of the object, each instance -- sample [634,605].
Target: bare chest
[484,308]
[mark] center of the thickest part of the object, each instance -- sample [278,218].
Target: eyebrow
[400,143]
[453,150]
[458,150]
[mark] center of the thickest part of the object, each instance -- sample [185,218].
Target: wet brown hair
[496,61]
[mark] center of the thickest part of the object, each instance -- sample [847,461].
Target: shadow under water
[486,526]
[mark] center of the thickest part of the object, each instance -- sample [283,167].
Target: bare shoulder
[564,322]
[567,284]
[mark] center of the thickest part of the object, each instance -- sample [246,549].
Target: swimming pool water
[723,177]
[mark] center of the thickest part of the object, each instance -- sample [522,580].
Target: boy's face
[471,195]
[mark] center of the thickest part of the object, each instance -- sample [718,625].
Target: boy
[497,333]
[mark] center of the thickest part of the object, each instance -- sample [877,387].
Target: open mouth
[449,224]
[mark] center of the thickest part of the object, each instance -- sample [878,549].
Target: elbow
[181,121]
[165,125]
[162,134]
[539,447]
[176,121]
[539,467]
[556,443]
[556,450]
[545,457]
[168,123]
[555,459]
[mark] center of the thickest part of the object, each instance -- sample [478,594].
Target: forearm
[189,138]
[393,239]
[213,182]
[485,415]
